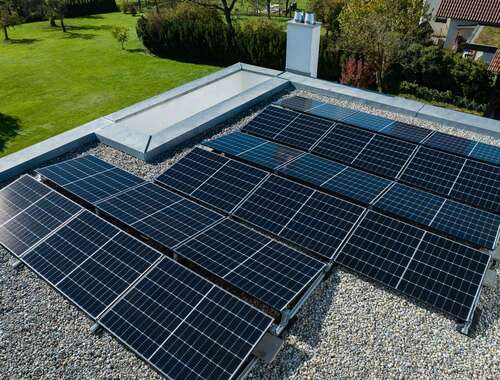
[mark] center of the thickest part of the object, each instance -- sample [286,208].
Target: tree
[8,17]
[120,33]
[226,6]
[57,9]
[328,12]
[378,30]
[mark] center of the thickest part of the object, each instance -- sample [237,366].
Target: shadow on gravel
[490,312]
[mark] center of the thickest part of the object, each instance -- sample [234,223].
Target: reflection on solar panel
[270,156]
[90,262]
[343,143]
[303,132]
[89,178]
[261,267]
[235,143]
[479,185]
[213,179]
[270,122]
[312,220]
[299,103]
[485,152]
[450,143]
[368,121]
[422,265]
[384,156]
[332,112]
[30,211]
[407,132]
[433,170]
[185,326]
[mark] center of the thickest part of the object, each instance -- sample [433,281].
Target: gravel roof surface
[350,327]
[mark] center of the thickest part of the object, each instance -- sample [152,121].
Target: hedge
[77,8]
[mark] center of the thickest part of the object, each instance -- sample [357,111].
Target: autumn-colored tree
[356,72]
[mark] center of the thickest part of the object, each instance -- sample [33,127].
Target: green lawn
[52,81]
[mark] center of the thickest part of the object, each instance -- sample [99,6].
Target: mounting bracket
[467,327]
[96,328]
[268,347]
[17,264]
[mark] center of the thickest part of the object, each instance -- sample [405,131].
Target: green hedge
[77,8]
[431,94]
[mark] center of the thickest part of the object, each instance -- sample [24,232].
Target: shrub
[356,72]
[431,94]
[120,33]
[77,8]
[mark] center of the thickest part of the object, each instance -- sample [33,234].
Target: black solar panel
[407,132]
[384,156]
[235,143]
[432,269]
[487,153]
[303,132]
[450,143]
[433,170]
[216,180]
[30,211]
[90,262]
[314,221]
[185,326]
[299,103]
[368,121]
[343,143]
[270,122]
[90,178]
[270,155]
[332,112]
[479,185]
[261,267]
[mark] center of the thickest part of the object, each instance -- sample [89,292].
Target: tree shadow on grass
[9,128]
[136,50]
[22,41]
[82,36]
[89,27]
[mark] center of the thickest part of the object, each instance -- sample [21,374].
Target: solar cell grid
[261,267]
[343,143]
[332,112]
[235,143]
[270,155]
[185,326]
[450,143]
[407,132]
[270,122]
[485,152]
[384,156]
[478,184]
[368,121]
[299,103]
[433,170]
[90,262]
[303,132]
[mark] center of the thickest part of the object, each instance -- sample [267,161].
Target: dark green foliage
[431,94]
[330,58]
[77,8]
[444,70]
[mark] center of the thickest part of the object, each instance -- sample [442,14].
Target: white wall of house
[440,28]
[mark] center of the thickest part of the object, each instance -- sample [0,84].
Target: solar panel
[450,143]
[487,153]
[384,156]
[90,178]
[357,185]
[314,221]
[468,223]
[90,262]
[433,170]
[332,112]
[368,121]
[299,103]
[432,269]
[267,270]
[303,132]
[407,132]
[343,143]
[235,143]
[185,326]
[270,155]
[215,180]
[270,122]
[312,169]
[30,211]
[174,222]
[410,203]
[479,185]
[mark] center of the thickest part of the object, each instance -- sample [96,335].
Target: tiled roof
[481,11]
[495,63]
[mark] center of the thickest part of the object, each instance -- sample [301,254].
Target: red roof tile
[481,11]
[495,63]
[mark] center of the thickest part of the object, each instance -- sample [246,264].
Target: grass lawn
[53,81]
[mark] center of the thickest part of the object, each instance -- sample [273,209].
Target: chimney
[302,45]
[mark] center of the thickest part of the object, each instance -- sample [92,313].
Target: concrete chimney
[302,48]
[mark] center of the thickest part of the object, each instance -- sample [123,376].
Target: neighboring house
[467,18]
[493,109]
[438,25]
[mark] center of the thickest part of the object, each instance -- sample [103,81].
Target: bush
[356,72]
[431,94]
[79,8]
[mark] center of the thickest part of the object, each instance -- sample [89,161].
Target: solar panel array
[437,140]
[205,237]
[182,324]
[479,227]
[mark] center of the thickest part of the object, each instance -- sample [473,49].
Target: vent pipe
[302,45]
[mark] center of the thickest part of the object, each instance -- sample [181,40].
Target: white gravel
[350,328]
